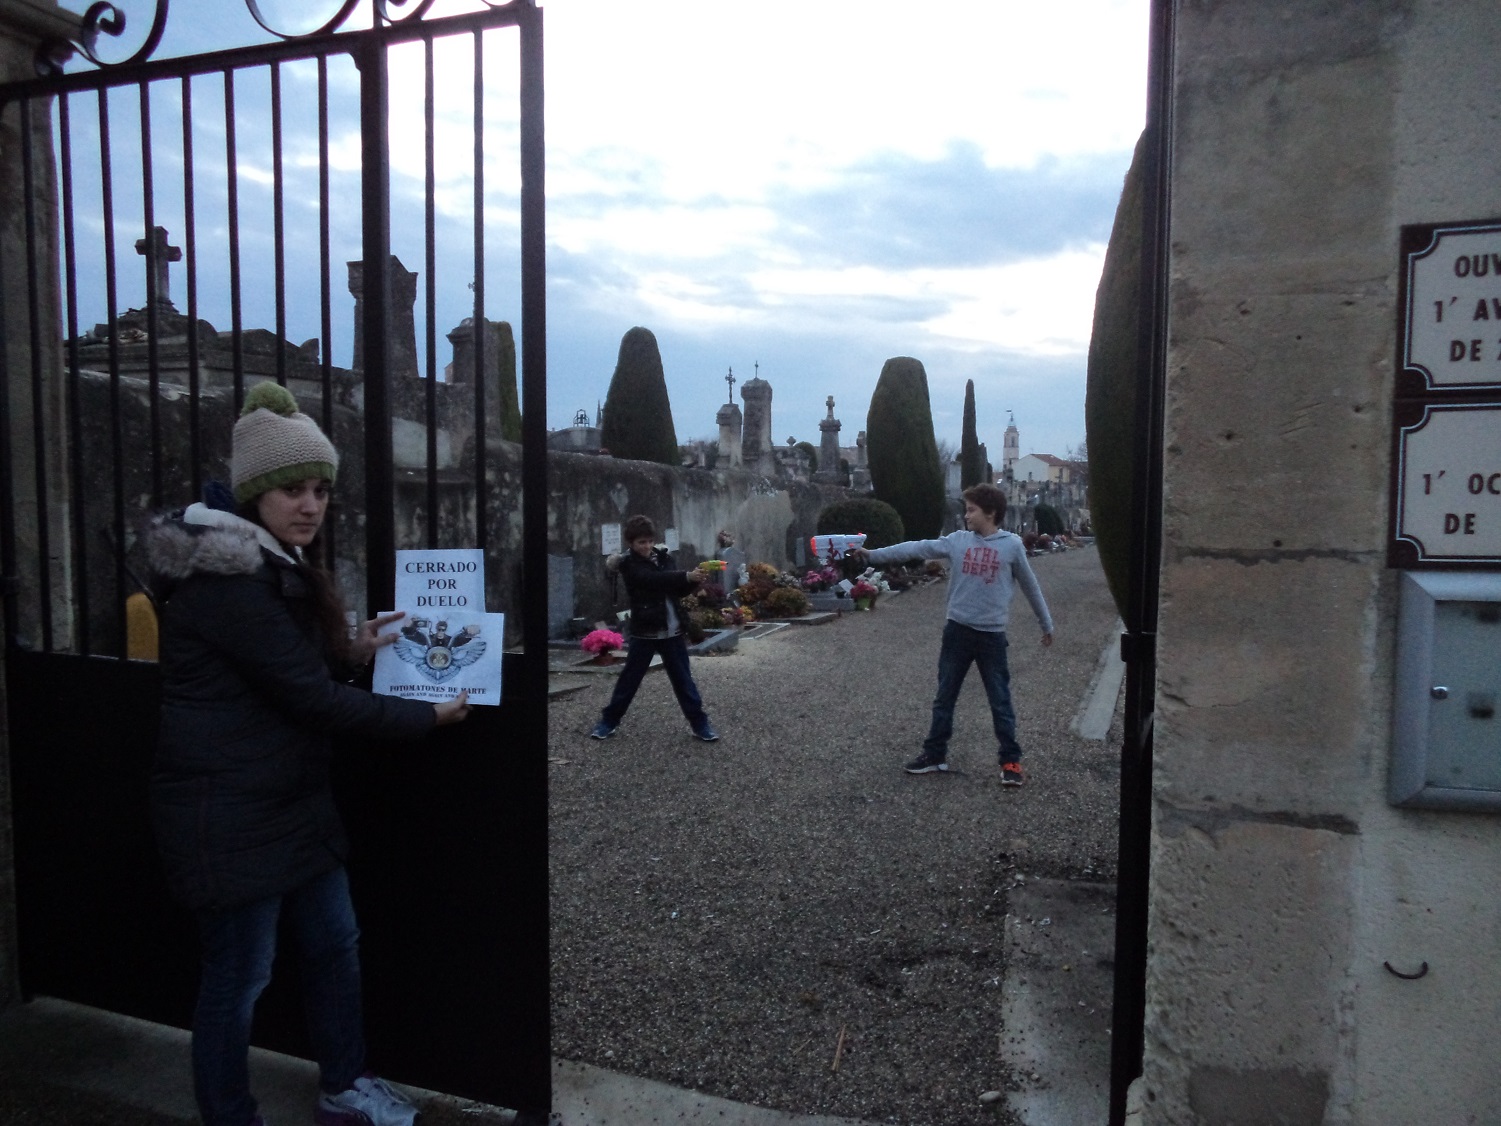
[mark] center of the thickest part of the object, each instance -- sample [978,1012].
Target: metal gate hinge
[1138,647]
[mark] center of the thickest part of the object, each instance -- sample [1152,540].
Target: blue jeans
[238,945]
[675,659]
[961,647]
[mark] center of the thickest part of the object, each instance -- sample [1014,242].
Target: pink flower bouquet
[601,642]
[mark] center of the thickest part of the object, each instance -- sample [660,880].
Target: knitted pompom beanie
[275,444]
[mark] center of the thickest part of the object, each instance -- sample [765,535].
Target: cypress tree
[904,469]
[971,456]
[638,417]
[1110,401]
[510,403]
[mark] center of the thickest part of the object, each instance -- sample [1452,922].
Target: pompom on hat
[275,444]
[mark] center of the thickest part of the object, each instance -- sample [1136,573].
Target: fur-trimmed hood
[205,541]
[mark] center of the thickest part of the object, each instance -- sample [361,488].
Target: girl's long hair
[328,603]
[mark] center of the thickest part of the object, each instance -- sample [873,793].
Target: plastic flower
[601,641]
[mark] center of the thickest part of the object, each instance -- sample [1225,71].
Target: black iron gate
[267,163]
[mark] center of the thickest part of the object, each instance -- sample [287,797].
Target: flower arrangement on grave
[770,593]
[601,645]
[733,616]
[864,593]
[821,579]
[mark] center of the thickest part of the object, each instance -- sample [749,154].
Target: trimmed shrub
[972,465]
[1049,522]
[904,469]
[881,523]
[786,602]
[638,417]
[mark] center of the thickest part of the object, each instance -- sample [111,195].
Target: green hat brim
[253,487]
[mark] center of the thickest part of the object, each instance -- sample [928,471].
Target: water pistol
[832,547]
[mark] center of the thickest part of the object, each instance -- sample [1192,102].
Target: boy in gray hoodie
[986,565]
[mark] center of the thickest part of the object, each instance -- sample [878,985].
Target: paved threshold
[1055,1004]
[63,1064]
[1092,721]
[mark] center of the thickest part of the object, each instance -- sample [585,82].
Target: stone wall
[771,520]
[1304,136]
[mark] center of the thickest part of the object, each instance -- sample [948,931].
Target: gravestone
[734,559]
[559,594]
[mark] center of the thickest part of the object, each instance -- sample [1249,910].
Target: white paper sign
[609,539]
[437,656]
[438,581]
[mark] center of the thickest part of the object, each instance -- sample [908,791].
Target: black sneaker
[603,730]
[1011,774]
[706,733]
[925,764]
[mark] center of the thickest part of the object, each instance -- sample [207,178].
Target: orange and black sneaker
[1011,774]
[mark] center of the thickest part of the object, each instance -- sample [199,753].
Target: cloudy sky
[811,188]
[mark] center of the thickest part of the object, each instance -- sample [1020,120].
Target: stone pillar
[729,436]
[828,448]
[755,445]
[401,329]
[23,27]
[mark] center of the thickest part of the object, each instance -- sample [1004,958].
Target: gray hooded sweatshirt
[984,572]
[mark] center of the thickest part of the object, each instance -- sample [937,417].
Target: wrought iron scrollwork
[102,18]
[107,19]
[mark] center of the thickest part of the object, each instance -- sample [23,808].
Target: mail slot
[1446,750]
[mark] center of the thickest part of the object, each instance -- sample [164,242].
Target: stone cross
[730,379]
[831,406]
[158,254]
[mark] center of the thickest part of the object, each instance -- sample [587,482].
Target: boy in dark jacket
[656,627]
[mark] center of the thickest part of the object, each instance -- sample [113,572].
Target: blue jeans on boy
[961,647]
[238,945]
[639,651]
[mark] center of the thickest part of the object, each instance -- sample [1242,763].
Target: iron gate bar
[278,227]
[8,574]
[190,260]
[325,255]
[232,188]
[430,308]
[481,523]
[1133,861]
[117,427]
[75,401]
[380,543]
[534,373]
[153,377]
[38,419]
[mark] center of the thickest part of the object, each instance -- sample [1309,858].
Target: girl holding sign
[254,649]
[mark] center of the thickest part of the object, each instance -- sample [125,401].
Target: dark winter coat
[650,582]
[240,794]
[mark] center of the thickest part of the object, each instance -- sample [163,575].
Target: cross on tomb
[158,255]
[730,379]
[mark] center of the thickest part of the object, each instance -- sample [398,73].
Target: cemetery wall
[771,519]
[1283,882]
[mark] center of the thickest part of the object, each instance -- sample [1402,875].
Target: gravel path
[722,913]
